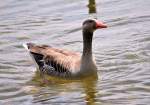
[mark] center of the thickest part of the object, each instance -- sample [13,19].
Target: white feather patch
[25,46]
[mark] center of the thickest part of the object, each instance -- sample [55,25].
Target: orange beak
[100,24]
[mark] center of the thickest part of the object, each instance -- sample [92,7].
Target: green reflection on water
[92,6]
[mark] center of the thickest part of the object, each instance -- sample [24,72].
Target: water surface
[122,51]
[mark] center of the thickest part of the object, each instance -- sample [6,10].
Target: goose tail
[36,57]
[27,46]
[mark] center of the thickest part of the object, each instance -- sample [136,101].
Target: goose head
[91,25]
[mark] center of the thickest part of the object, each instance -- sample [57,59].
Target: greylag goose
[67,64]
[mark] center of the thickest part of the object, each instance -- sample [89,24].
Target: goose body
[64,63]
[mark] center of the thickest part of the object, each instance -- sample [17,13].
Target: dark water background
[122,51]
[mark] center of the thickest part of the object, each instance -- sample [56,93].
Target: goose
[64,63]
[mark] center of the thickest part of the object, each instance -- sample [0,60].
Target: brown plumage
[67,59]
[64,63]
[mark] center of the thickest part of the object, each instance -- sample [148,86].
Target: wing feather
[62,61]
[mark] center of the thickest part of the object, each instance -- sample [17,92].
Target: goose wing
[55,61]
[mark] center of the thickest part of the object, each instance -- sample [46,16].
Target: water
[122,51]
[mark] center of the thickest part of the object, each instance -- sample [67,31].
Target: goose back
[55,62]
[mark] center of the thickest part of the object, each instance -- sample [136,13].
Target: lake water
[122,51]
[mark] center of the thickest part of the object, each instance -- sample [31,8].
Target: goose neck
[87,43]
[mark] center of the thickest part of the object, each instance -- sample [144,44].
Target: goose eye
[90,21]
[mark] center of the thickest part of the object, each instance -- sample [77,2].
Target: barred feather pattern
[54,69]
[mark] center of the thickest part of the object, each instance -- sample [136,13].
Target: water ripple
[122,51]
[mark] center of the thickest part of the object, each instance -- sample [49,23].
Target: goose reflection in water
[65,91]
